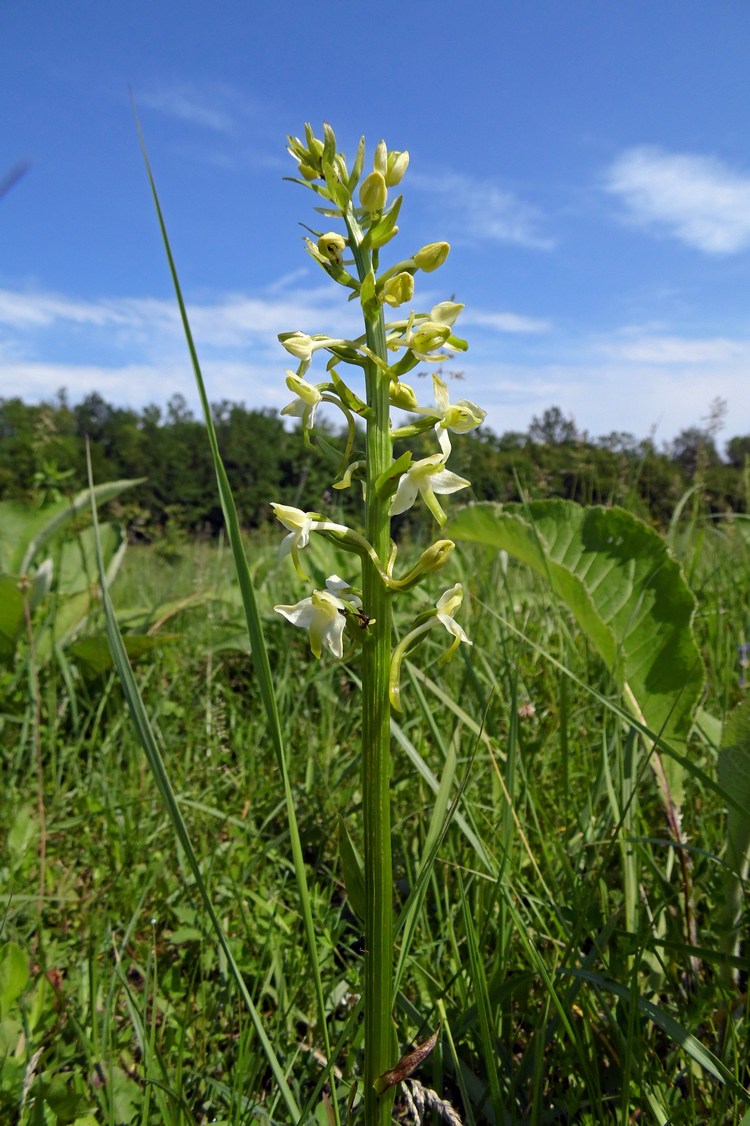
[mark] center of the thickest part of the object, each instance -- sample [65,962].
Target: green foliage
[537,831]
[42,458]
[627,594]
[52,598]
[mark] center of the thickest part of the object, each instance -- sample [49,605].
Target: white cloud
[480,210]
[609,394]
[666,350]
[205,107]
[505,322]
[135,385]
[697,199]
[229,321]
[132,351]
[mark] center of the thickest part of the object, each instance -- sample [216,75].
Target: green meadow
[579,961]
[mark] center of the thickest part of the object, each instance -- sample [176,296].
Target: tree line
[42,457]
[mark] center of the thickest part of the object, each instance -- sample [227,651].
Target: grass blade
[151,749]
[254,626]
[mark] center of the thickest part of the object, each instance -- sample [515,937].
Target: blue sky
[588,160]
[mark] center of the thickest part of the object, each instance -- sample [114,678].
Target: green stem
[380,1047]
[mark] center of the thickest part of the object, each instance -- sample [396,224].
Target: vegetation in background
[42,457]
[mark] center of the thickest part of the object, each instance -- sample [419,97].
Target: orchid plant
[373,387]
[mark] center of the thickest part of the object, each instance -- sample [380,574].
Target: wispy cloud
[133,352]
[479,210]
[697,199]
[201,108]
[677,350]
[505,322]
[228,321]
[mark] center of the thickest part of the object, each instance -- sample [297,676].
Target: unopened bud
[432,559]
[432,256]
[381,159]
[298,343]
[373,192]
[398,289]
[402,395]
[307,172]
[436,556]
[398,162]
[332,247]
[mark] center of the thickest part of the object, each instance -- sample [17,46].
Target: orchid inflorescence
[352,259]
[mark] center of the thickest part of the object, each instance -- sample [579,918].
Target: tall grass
[550,940]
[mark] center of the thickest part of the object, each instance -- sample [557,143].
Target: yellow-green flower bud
[298,343]
[332,246]
[306,172]
[431,560]
[398,289]
[432,256]
[381,159]
[397,164]
[436,556]
[373,192]
[402,395]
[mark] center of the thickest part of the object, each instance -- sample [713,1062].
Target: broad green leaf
[24,531]
[11,616]
[14,975]
[734,777]
[24,831]
[78,585]
[624,589]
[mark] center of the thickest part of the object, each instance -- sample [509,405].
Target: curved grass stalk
[257,644]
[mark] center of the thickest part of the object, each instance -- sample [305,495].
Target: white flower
[427,477]
[306,403]
[446,606]
[323,614]
[299,525]
[459,417]
[444,615]
[298,343]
